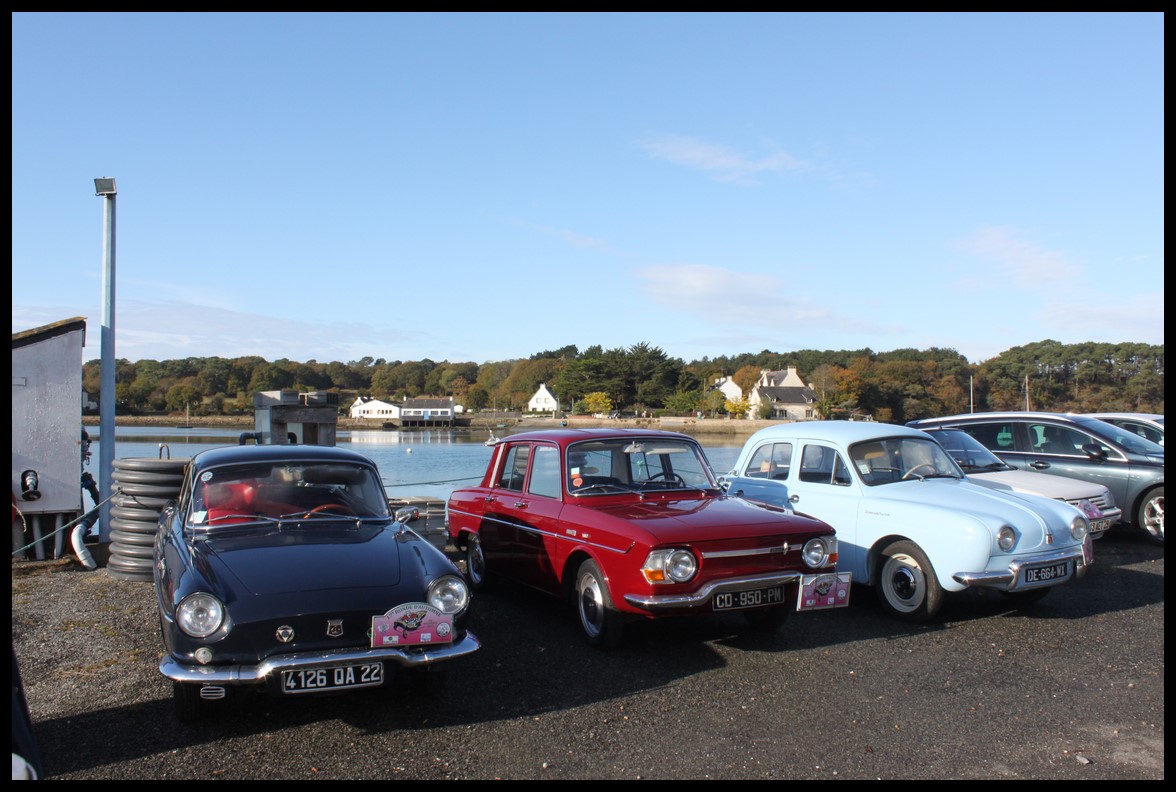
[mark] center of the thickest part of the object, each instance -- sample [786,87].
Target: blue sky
[482,187]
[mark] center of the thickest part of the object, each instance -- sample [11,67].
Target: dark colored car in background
[987,469]
[280,569]
[1064,444]
[631,524]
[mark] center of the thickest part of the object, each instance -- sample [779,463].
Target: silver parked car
[1065,444]
[1149,425]
[986,468]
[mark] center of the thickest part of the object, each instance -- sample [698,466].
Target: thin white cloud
[1086,316]
[177,330]
[720,163]
[724,298]
[1022,261]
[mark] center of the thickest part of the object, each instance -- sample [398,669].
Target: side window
[840,471]
[821,465]
[770,461]
[1050,439]
[760,462]
[993,436]
[514,468]
[545,472]
[1144,431]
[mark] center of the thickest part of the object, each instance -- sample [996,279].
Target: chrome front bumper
[1009,579]
[407,657]
[696,599]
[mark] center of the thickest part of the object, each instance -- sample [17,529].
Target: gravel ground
[1071,688]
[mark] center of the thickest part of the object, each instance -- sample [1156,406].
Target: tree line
[893,387]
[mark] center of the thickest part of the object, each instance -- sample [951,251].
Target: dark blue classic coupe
[280,569]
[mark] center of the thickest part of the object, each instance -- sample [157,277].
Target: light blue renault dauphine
[908,520]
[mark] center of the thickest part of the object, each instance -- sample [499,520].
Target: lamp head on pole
[105,187]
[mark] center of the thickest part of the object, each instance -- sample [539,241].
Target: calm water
[425,463]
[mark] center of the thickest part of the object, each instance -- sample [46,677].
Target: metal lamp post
[106,189]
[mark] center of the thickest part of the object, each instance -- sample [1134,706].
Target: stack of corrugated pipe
[142,487]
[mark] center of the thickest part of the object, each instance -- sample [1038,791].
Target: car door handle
[520,504]
[794,499]
[1038,465]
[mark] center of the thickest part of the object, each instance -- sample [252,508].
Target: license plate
[753,598]
[1044,574]
[340,677]
[828,590]
[1100,526]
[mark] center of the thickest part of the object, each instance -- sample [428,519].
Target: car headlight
[1006,537]
[670,566]
[448,594]
[820,551]
[1079,527]
[200,615]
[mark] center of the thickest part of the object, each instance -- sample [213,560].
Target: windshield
[893,459]
[967,451]
[643,464]
[285,490]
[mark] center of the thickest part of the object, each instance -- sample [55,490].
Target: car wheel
[767,619]
[1151,516]
[602,624]
[475,561]
[907,586]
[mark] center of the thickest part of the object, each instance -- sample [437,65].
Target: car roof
[566,437]
[1153,417]
[238,454]
[1005,415]
[843,432]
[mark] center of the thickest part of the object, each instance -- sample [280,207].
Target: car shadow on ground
[534,660]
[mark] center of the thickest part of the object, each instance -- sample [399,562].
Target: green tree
[476,398]
[683,402]
[182,396]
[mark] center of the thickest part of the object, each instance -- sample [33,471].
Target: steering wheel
[911,472]
[333,508]
[667,476]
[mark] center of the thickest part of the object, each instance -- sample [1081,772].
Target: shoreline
[742,427]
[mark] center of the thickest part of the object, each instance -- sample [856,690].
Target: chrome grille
[1103,502]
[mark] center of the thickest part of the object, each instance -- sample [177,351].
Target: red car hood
[698,520]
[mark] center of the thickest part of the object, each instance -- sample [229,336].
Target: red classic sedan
[630,523]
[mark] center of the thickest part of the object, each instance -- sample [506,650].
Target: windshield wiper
[311,516]
[603,485]
[249,518]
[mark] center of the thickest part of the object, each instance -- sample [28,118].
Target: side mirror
[1095,451]
[407,514]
